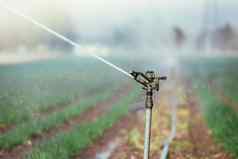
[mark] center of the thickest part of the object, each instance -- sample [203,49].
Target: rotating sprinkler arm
[148,79]
[140,78]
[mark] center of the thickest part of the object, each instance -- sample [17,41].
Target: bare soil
[198,142]
[193,140]
[90,115]
[5,128]
[125,139]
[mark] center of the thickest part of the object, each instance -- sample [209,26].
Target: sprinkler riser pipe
[150,83]
[148,120]
[149,98]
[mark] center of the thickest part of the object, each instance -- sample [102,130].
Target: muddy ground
[89,115]
[125,139]
[193,139]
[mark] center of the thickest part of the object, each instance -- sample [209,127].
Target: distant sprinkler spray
[150,83]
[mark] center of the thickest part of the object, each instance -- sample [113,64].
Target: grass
[22,132]
[66,145]
[221,119]
[37,87]
[222,72]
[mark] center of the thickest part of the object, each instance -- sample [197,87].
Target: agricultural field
[214,81]
[74,108]
[49,99]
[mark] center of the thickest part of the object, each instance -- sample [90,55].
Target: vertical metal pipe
[148,119]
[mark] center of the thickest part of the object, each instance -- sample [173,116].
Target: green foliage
[24,131]
[212,76]
[221,119]
[220,72]
[66,145]
[29,88]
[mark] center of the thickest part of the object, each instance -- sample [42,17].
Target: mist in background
[121,28]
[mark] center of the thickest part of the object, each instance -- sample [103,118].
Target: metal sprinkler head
[148,79]
[150,82]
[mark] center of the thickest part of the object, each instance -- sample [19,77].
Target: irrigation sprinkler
[148,80]
[150,83]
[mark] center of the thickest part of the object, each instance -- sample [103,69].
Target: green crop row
[221,119]
[220,73]
[22,132]
[228,86]
[29,88]
[66,145]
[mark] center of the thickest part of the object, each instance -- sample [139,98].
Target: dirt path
[5,128]
[113,137]
[110,141]
[193,139]
[125,139]
[88,116]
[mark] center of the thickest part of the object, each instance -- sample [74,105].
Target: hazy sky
[117,11]
[100,16]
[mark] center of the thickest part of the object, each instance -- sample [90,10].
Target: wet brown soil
[193,139]
[88,116]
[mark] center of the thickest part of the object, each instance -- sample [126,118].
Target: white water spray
[172,135]
[47,29]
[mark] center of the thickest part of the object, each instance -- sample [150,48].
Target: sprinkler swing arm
[148,78]
[150,83]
